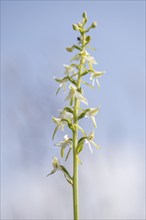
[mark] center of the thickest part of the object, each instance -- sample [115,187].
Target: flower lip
[89,145]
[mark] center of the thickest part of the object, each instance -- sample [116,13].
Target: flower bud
[69,49]
[75,27]
[88,39]
[91,136]
[93,25]
[55,162]
[84,15]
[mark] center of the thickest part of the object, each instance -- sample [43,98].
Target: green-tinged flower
[94,77]
[86,56]
[56,166]
[67,141]
[93,25]
[62,82]
[75,27]
[56,163]
[63,144]
[89,141]
[84,15]
[75,94]
[68,69]
[65,114]
[60,124]
[91,114]
[80,26]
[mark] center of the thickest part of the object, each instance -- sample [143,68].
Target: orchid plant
[81,65]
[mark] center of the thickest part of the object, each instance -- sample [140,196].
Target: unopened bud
[69,49]
[75,27]
[91,136]
[84,15]
[55,162]
[93,25]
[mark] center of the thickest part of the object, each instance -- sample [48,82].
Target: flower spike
[78,73]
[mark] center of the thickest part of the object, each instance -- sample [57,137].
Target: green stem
[75,165]
[75,161]
[75,141]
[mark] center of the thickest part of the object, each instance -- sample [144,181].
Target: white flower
[62,82]
[67,141]
[91,113]
[94,77]
[89,58]
[84,54]
[89,141]
[65,114]
[59,122]
[75,94]
[56,166]
[68,69]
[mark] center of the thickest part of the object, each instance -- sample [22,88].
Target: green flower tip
[84,15]
[55,163]
[93,25]
[69,49]
[75,27]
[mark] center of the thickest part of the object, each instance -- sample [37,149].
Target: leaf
[55,132]
[79,147]
[80,144]
[82,139]
[82,115]
[68,109]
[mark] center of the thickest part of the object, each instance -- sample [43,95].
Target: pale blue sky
[34,35]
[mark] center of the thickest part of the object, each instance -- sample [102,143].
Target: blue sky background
[34,35]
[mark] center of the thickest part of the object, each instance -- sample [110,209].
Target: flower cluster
[82,63]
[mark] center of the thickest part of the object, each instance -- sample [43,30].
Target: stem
[75,165]
[75,161]
[75,141]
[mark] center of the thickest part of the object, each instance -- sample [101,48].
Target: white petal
[89,145]
[97,83]
[81,97]
[69,96]
[66,137]
[94,122]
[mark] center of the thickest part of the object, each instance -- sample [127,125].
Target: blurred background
[34,35]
